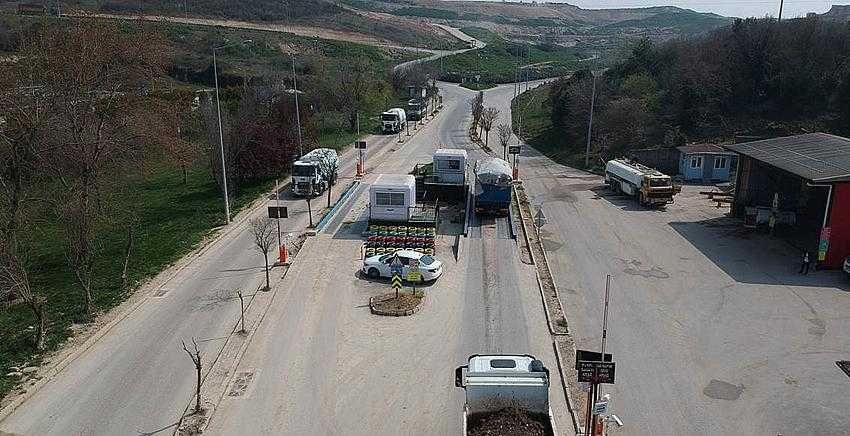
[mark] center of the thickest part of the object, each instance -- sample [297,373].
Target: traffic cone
[283,254]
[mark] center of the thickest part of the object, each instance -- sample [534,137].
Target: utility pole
[780,9]
[596,393]
[297,109]
[590,122]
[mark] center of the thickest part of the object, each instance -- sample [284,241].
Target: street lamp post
[220,133]
[297,110]
[590,121]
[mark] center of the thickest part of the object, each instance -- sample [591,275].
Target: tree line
[88,111]
[756,77]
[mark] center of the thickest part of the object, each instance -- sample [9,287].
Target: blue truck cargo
[493,182]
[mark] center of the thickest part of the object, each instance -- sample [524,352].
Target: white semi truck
[650,186]
[314,172]
[505,390]
[393,120]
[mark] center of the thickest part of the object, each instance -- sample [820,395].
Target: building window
[448,165]
[719,163]
[389,198]
[696,162]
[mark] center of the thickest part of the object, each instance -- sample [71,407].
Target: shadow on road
[751,257]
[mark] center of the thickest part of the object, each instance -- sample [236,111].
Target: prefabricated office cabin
[391,197]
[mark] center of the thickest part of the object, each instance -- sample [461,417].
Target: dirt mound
[508,422]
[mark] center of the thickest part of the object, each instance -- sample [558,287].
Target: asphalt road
[137,379]
[322,364]
[712,330]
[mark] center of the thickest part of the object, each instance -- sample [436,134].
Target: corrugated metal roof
[702,148]
[819,157]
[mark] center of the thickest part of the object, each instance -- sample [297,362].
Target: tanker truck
[648,185]
[504,393]
[314,172]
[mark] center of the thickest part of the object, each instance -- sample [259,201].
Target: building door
[708,167]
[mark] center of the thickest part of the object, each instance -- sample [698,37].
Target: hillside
[318,13]
[707,89]
[838,13]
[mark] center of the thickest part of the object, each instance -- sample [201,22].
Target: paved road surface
[325,365]
[137,379]
[712,329]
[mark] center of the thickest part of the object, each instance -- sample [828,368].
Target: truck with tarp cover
[493,186]
[315,172]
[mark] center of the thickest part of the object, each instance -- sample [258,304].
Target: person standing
[804,267]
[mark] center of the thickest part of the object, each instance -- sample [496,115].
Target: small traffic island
[405,304]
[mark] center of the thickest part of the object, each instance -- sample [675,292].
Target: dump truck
[416,109]
[393,120]
[493,181]
[648,185]
[314,172]
[505,394]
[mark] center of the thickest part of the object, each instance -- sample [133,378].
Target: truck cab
[393,120]
[657,189]
[304,177]
[504,384]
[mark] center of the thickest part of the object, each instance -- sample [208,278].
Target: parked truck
[314,172]
[493,180]
[505,394]
[416,109]
[393,120]
[648,185]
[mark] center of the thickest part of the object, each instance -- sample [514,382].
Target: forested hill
[755,77]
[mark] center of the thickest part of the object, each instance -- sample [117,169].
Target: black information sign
[360,145]
[514,149]
[591,355]
[595,372]
[278,212]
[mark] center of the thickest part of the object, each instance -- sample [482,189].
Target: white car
[379,265]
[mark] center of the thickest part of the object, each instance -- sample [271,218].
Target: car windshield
[303,170]
[659,182]
[389,117]
[426,260]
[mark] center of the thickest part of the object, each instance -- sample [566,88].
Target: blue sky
[730,8]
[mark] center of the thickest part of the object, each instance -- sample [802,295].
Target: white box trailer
[391,197]
[450,166]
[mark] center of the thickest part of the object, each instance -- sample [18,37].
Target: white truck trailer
[393,120]
[503,390]
[314,172]
[650,186]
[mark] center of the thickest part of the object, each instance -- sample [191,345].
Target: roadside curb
[557,336]
[230,372]
[143,296]
[335,208]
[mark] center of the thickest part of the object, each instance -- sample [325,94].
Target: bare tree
[96,76]
[195,355]
[242,306]
[488,117]
[262,229]
[476,109]
[505,133]
[14,278]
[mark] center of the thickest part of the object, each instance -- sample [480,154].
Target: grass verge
[172,219]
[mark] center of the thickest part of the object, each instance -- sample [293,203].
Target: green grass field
[172,219]
[497,62]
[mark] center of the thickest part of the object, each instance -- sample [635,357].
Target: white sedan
[379,265]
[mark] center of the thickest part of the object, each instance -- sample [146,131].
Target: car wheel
[374,273]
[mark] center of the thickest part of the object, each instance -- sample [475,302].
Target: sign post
[277,212]
[413,274]
[396,268]
[361,157]
[515,150]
